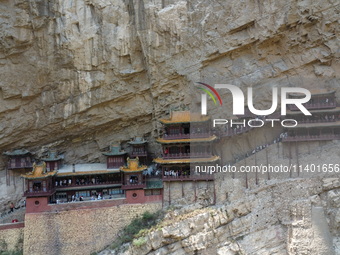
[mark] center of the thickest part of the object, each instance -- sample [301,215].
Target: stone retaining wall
[81,231]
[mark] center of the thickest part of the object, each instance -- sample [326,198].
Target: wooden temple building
[139,149]
[39,187]
[119,178]
[116,157]
[187,141]
[322,125]
[19,159]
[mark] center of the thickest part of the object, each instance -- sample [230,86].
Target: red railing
[185,136]
[206,177]
[186,155]
[134,186]
[311,138]
[309,121]
[38,193]
[139,154]
[312,106]
[19,165]
[88,184]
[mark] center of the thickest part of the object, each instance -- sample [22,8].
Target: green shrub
[137,229]
[139,242]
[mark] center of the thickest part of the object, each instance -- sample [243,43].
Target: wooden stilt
[8,180]
[214,192]
[297,157]
[256,173]
[195,191]
[169,194]
[290,158]
[268,174]
[245,163]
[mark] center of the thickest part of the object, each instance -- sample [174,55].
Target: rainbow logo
[209,93]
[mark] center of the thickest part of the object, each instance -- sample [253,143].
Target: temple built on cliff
[187,140]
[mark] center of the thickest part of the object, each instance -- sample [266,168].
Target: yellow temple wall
[78,232]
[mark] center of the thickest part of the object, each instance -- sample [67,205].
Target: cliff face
[267,220]
[78,75]
[91,72]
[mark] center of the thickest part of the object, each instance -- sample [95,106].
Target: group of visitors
[175,173]
[79,181]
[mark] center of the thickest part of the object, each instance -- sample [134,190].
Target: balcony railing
[313,106]
[73,185]
[139,154]
[207,177]
[134,186]
[325,137]
[186,155]
[39,193]
[186,136]
[19,165]
[321,120]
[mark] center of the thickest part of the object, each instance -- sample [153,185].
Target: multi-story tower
[19,159]
[116,157]
[187,141]
[39,188]
[139,149]
[53,161]
[323,124]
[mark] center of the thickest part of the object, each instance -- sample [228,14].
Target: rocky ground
[287,217]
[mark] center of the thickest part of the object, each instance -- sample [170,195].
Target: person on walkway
[11,206]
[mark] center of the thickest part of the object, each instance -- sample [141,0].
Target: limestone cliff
[78,75]
[256,223]
[90,72]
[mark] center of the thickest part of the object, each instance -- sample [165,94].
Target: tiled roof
[184,117]
[115,150]
[133,166]
[52,156]
[39,172]
[138,140]
[85,169]
[20,152]
[187,160]
[87,173]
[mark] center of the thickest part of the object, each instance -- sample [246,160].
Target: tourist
[11,206]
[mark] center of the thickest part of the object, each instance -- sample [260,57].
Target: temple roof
[186,161]
[39,172]
[133,166]
[52,156]
[138,140]
[19,152]
[115,150]
[193,140]
[85,169]
[184,117]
